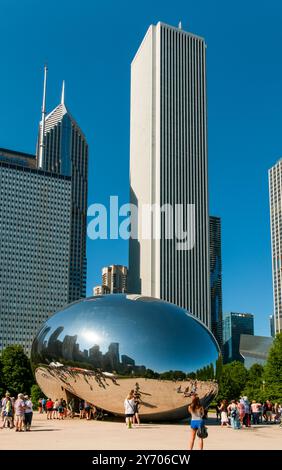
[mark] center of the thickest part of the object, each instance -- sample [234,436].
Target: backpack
[202,432]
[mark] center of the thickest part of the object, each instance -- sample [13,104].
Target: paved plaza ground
[96,435]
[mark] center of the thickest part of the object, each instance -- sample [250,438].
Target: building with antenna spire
[66,153]
[42,226]
[41,137]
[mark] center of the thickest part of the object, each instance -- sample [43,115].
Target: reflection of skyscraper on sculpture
[95,355]
[127,361]
[111,358]
[55,345]
[69,347]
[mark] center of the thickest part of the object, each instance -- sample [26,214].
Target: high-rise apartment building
[65,153]
[168,166]
[234,325]
[216,278]
[114,280]
[101,290]
[275,200]
[35,217]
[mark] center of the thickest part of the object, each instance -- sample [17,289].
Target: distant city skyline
[244,106]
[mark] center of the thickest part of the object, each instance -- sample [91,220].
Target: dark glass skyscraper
[66,153]
[216,278]
[35,216]
[234,325]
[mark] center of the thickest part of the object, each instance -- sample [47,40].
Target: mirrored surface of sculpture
[100,348]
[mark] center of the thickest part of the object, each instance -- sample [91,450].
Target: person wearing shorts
[129,409]
[197,412]
[19,412]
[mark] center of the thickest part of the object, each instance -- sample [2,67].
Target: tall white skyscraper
[168,165]
[275,200]
[65,152]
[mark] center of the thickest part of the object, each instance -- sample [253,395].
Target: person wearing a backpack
[197,422]
[8,413]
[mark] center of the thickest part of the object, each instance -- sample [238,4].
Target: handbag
[202,432]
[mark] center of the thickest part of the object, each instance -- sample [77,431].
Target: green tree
[150,374]
[35,394]
[254,385]
[16,370]
[273,370]
[2,384]
[191,375]
[218,368]
[232,381]
[173,375]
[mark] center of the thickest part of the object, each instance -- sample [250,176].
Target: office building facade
[66,153]
[216,278]
[234,325]
[168,167]
[35,217]
[275,201]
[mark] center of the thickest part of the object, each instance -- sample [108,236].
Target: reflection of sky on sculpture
[158,335]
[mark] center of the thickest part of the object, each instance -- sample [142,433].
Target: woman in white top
[129,409]
[197,412]
[28,412]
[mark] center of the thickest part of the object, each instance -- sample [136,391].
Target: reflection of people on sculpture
[137,398]
[71,408]
[197,413]
[87,409]
[129,409]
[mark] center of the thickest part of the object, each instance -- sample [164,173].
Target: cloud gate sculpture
[100,348]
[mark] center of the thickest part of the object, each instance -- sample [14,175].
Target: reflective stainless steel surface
[100,348]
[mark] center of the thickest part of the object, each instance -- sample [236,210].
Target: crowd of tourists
[243,413]
[16,412]
[60,409]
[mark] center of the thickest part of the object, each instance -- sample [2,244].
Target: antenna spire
[63,93]
[42,130]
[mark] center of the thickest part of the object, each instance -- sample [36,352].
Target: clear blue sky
[91,43]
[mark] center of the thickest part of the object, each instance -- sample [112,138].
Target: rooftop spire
[42,130]
[63,93]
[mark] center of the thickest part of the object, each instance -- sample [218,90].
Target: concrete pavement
[102,435]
